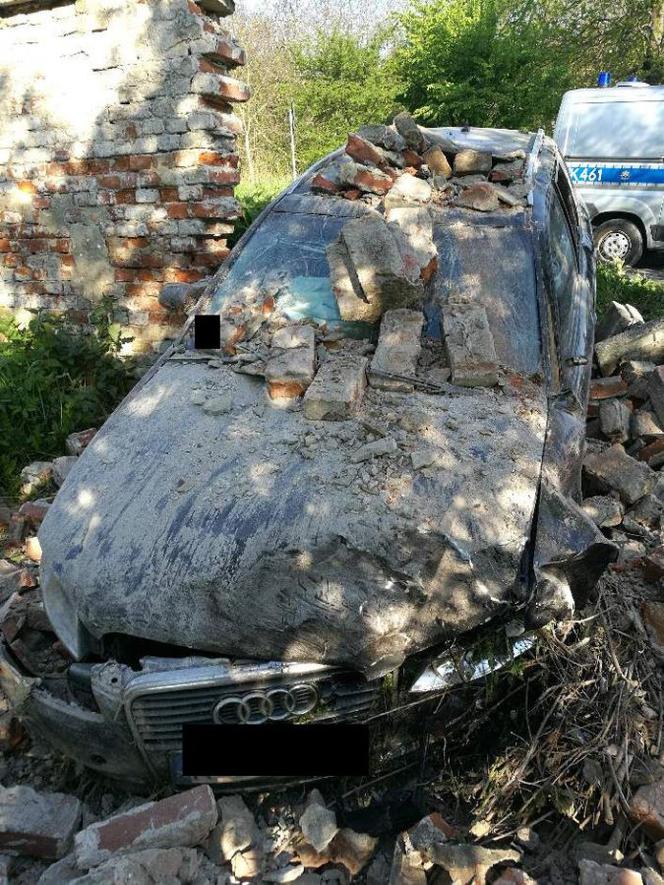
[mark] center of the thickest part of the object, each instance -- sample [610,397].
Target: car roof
[496,141]
[629,92]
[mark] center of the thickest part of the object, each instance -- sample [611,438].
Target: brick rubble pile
[622,479]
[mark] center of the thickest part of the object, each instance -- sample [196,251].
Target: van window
[616,130]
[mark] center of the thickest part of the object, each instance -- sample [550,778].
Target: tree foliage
[507,62]
[501,63]
[344,81]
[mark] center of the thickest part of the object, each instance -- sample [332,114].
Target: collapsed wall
[117,155]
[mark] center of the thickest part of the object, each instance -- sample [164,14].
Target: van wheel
[618,239]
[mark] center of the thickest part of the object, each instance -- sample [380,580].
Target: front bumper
[135,735]
[89,737]
[127,724]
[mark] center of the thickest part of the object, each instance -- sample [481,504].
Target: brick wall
[117,154]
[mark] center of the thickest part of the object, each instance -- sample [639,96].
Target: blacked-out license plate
[275,750]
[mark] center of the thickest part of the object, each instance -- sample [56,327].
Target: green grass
[614,283]
[55,378]
[254,197]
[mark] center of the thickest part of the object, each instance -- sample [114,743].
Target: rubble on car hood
[378,501]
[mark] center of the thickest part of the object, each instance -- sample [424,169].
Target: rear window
[616,130]
[494,268]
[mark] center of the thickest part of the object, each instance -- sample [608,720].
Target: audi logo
[258,707]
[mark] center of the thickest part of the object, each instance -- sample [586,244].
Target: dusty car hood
[254,533]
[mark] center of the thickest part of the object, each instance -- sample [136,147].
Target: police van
[612,139]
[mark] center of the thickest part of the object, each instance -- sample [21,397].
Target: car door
[568,277]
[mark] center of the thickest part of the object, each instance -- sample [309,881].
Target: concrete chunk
[438,162]
[77,442]
[614,419]
[636,374]
[62,467]
[386,137]
[399,348]
[319,825]
[644,341]
[291,364]
[374,269]
[337,389]
[656,391]
[605,511]
[616,319]
[236,832]
[410,131]
[605,388]
[183,820]
[37,824]
[614,470]
[469,162]
[408,190]
[412,227]
[481,197]
[470,346]
[377,449]
[644,425]
[156,865]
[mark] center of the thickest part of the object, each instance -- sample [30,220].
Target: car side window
[561,252]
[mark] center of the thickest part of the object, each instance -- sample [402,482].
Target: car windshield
[488,263]
[287,256]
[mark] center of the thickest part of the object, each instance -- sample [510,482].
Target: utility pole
[291,126]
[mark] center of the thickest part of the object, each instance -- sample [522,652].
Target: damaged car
[382,460]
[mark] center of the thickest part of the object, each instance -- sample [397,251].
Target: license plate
[274,751]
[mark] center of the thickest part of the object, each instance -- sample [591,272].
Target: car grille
[157,716]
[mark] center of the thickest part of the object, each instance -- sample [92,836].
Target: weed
[55,378]
[614,283]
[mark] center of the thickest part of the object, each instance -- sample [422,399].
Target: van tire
[618,238]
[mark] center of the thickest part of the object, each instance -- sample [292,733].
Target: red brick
[177,210]
[137,274]
[110,181]
[229,53]
[175,275]
[195,157]
[605,388]
[37,824]
[362,151]
[125,196]
[27,187]
[648,452]
[168,194]
[34,512]
[37,245]
[4,244]
[226,176]
[120,164]
[138,162]
[208,209]
[210,260]
[142,290]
